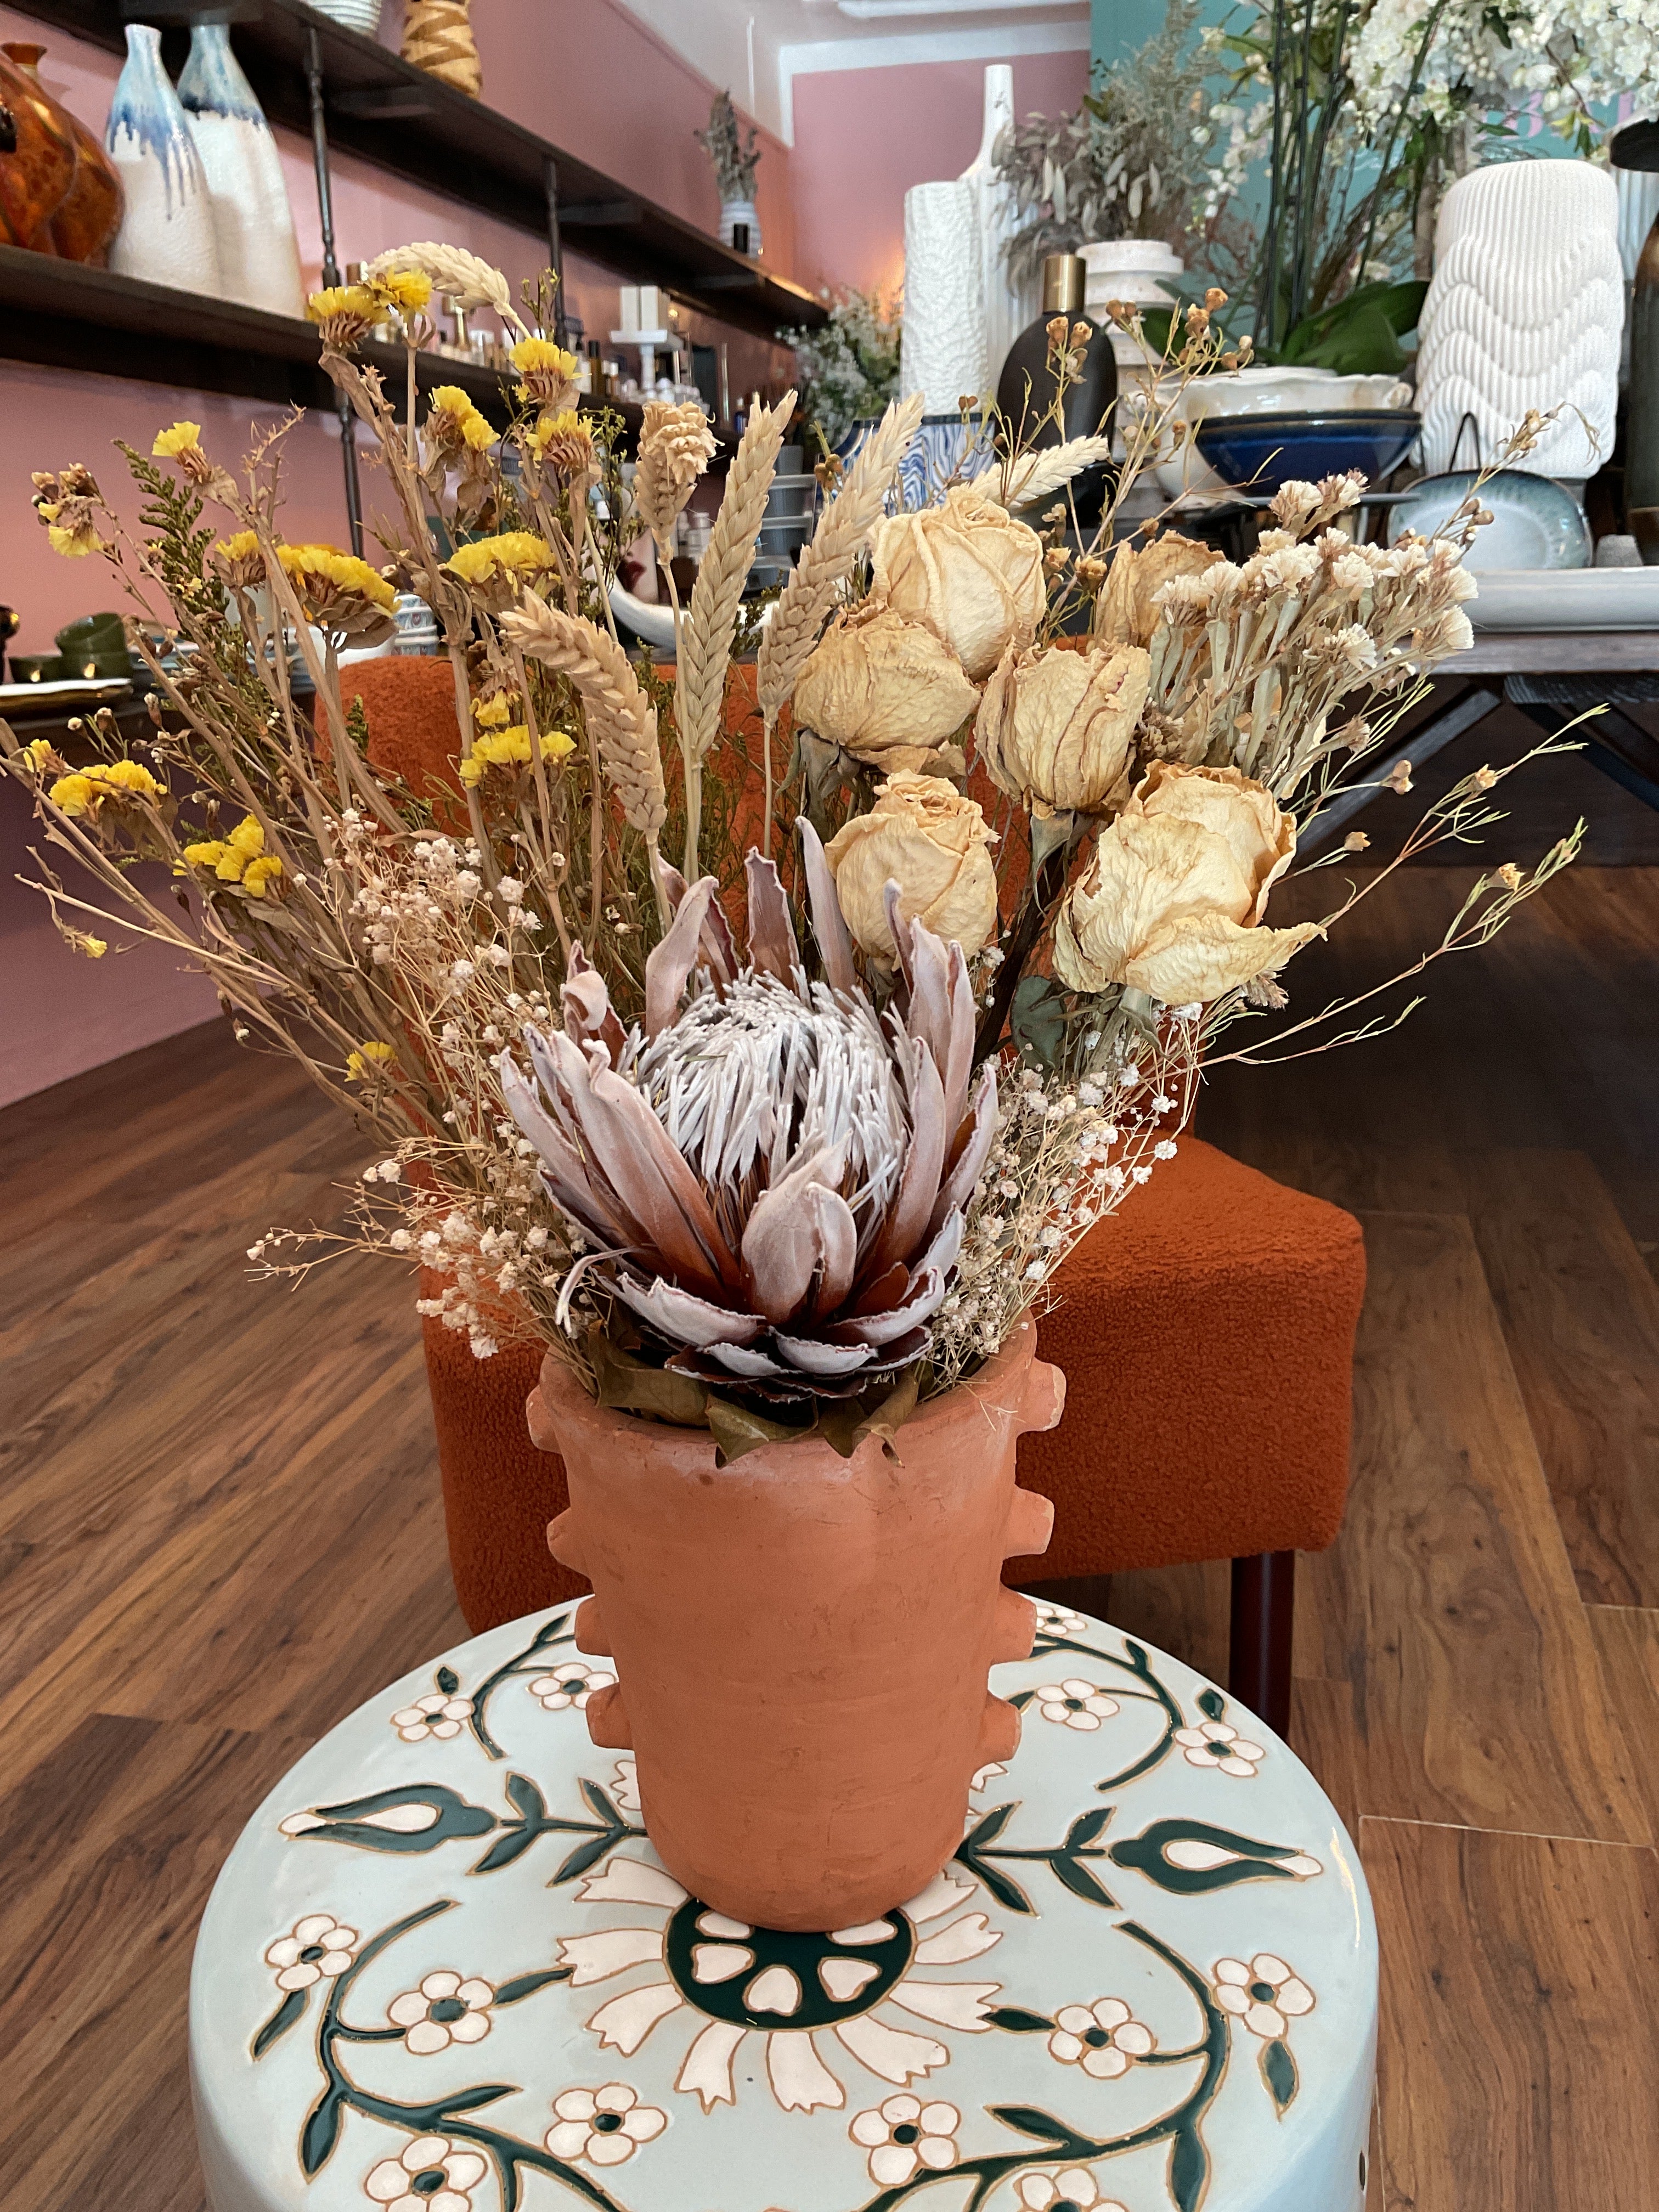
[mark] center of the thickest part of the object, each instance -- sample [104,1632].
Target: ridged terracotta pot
[803,1640]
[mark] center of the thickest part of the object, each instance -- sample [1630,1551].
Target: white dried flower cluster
[1479,57]
[1066,1154]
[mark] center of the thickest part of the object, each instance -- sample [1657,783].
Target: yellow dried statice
[1056,728]
[968,571]
[343,313]
[509,748]
[886,691]
[1171,904]
[86,791]
[240,857]
[676,447]
[496,570]
[547,371]
[339,592]
[935,844]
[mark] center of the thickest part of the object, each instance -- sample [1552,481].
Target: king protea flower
[772,1176]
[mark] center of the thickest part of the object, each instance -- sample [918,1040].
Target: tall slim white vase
[1007,306]
[253,222]
[941,353]
[167,234]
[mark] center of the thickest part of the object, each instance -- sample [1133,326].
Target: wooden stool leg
[1259,1654]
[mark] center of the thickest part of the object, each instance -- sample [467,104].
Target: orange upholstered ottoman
[1206,1335]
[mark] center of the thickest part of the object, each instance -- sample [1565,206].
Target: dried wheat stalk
[823,567]
[705,642]
[618,715]
[1033,476]
[460,275]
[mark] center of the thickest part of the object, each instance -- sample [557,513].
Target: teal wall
[1118,27]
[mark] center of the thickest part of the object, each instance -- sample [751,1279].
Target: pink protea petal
[828,923]
[939,1010]
[908,1221]
[739,1359]
[668,968]
[814,1356]
[772,945]
[921,1302]
[791,1236]
[685,1318]
[570,1182]
[589,1017]
[958,1185]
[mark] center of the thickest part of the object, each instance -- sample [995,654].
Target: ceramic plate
[1535,524]
[73,687]
[1587,598]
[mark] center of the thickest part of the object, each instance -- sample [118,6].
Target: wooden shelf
[383,109]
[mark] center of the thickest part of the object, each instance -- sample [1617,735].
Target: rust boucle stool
[1206,1335]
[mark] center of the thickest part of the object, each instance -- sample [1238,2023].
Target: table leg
[1259,1645]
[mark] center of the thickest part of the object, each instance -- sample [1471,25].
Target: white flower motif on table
[987,1775]
[445,2009]
[903,2134]
[570,1686]
[433,1715]
[1216,1745]
[1059,1620]
[625,1784]
[428,2175]
[1075,1704]
[736,1977]
[603,2126]
[1104,2039]
[1265,1994]
[1072,2190]
[318,1948]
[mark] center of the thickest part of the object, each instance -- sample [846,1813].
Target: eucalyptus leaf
[1036,1019]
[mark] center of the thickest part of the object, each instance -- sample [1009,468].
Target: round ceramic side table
[443,1971]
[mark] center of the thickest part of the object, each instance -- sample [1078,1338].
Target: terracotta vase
[35,179]
[803,1640]
[89,218]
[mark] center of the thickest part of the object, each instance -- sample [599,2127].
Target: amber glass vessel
[89,215]
[34,180]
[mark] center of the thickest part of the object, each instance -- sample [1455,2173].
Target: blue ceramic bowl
[1259,452]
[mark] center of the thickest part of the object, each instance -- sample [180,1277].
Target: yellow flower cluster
[308,564]
[510,748]
[38,755]
[454,416]
[239,859]
[369,1057]
[343,312]
[73,540]
[87,789]
[406,289]
[563,440]
[183,437]
[489,713]
[520,552]
[548,372]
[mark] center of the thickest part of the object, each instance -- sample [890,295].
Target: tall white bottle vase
[1526,309]
[167,234]
[253,222]
[1008,306]
[941,353]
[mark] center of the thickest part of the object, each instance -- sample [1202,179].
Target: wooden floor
[219,1530]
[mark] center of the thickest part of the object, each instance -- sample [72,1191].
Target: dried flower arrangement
[772,1139]
[735,157]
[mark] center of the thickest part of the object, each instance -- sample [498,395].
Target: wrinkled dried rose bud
[924,836]
[887,690]
[1055,728]
[1125,611]
[1171,902]
[968,571]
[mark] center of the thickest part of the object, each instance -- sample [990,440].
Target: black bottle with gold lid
[1027,386]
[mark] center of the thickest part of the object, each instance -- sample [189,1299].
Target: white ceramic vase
[1133,269]
[1007,306]
[167,234]
[253,222]
[941,353]
[1526,309]
[735,212]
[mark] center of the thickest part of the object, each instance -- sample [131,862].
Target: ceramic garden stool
[443,1969]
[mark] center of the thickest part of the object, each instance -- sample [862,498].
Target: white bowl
[1566,598]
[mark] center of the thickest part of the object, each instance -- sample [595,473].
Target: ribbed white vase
[1525,309]
[166,233]
[943,353]
[253,222]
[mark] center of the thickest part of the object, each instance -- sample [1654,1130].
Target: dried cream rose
[1170,900]
[1126,612]
[924,836]
[886,690]
[1055,728]
[968,571]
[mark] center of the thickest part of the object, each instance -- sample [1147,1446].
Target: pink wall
[604,87]
[864,137]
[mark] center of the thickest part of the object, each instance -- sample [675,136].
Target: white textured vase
[167,234]
[1008,306]
[1133,269]
[941,353]
[253,222]
[1526,309]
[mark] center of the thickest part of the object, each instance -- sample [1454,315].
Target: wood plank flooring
[219,1530]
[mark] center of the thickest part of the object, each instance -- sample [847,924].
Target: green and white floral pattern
[952,2043]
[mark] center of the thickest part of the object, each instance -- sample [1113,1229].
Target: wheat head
[676,447]
[706,649]
[622,719]
[823,567]
[464,278]
[1035,474]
